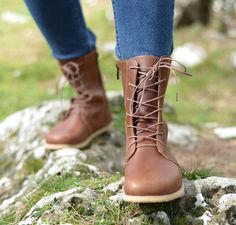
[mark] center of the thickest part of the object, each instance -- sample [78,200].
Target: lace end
[117,73]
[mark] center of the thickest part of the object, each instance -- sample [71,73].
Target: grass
[199,173]
[100,211]
[28,73]
[27,77]
[32,166]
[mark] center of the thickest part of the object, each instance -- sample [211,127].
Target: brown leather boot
[152,174]
[89,114]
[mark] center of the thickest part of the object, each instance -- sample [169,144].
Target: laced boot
[152,174]
[89,114]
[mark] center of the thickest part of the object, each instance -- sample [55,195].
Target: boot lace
[71,71]
[145,74]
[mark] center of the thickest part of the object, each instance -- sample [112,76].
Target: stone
[60,202]
[200,200]
[5,185]
[189,54]
[189,12]
[227,201]
[182,135]
[161,217]
[114,187]
[224,13]
[206,217]
[211,199]
[208,200]
[117,198]
[233,59]
[108,47]
[13,18]
[225,132]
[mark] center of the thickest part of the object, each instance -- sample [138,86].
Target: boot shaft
[144,85]
[83,74]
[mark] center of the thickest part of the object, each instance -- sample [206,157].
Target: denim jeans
[142,27]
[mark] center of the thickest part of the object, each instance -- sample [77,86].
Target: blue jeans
[142,27]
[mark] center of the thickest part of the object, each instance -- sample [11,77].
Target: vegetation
[29,74]
[101,211]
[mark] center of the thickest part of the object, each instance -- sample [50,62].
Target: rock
[231,215]
[114,187]
[182,135]
[42,187]
[233,59]
[62,160]
[200,200]
[161,217]
[116,97]
[224,14]
[227,201]
[13,18]
[211,199]
[216,35]
[108,47]
[60,202]
[189,54]
[5,185]
[189,12]
[92,2]
[117,198]
[225,132]
[206,217]
[138,220]
[58,162]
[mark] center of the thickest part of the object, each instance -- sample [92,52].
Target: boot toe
[58,135]
[136,188]
[54,138]
[155,184]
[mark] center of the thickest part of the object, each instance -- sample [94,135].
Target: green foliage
[32,165]
[5,163]
[28,74]
[199,173]
[101,211]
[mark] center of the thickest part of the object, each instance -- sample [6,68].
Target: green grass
[32,166]
[28,73]
[101,211]
[199,173]
[28,76]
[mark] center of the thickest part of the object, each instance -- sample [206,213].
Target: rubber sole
[153,198]
[85,143]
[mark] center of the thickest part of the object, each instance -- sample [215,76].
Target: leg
[63,26]
[143,27]
[73,44]
[144,43]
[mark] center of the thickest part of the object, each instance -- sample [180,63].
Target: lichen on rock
[71,186]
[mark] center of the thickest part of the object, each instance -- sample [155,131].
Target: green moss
[119,117]
[198,211]
[38,71]
[101,211]
[8,219]
[32,165]
[182,220]
[5,163]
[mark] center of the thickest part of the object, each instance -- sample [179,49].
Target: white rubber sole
[85,143]
[154,199]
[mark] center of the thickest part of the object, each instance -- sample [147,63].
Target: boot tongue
[146,94]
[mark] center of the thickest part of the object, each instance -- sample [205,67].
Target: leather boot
[152,174]
[89,114]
